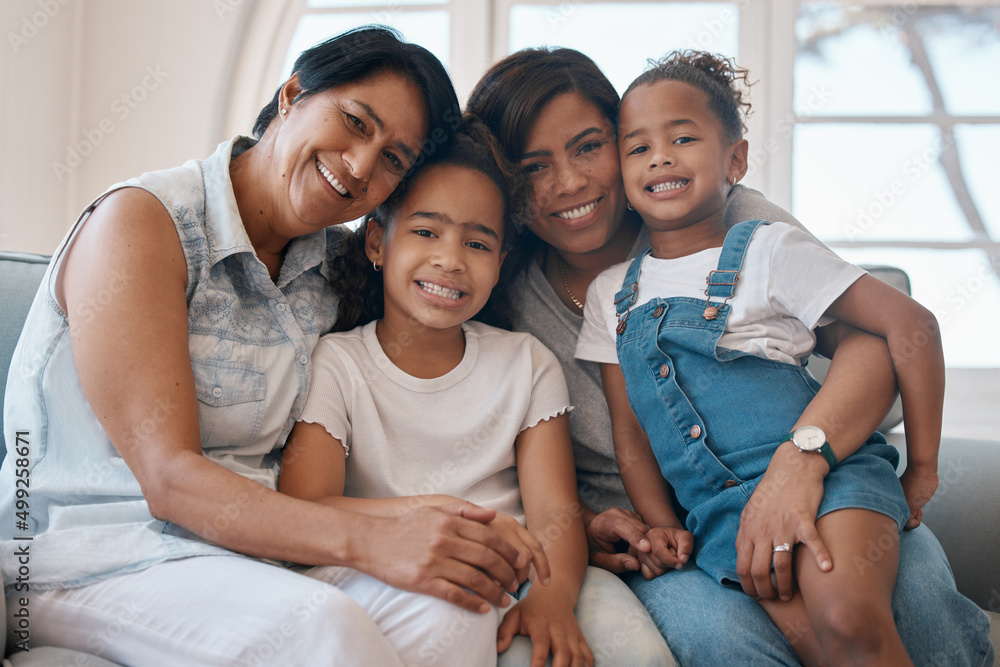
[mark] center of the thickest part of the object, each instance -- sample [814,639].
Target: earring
[283,111]
[735,181]
[376,266]
[629,206]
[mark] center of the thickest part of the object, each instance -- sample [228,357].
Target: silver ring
[783,547]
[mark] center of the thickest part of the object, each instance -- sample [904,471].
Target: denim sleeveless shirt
[251,340]
[715,416]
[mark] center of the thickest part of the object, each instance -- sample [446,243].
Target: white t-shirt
[452,434]
[788,280]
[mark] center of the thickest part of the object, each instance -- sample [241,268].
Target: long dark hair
[359,287]
[509,99]
[363,52]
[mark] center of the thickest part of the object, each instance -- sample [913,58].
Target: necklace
[562,272]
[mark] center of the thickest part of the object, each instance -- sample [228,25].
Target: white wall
[97,91]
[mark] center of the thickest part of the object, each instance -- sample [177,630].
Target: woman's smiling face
[342,151]
[571,155]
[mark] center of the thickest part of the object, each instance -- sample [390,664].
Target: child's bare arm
[914,340]
[547,478]
[648,491]
[313,468]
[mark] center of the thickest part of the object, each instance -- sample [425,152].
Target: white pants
[232,611]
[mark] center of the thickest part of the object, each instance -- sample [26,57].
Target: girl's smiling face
[571,156]
[342,151]
[441,252]
[677,162]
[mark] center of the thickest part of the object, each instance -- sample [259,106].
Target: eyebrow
[589,130]
[477,226]
[410,155]
[673,123]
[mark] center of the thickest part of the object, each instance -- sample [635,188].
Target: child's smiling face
[441,252]
[677,161]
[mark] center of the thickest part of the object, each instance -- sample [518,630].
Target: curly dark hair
[359,287]
[726,84]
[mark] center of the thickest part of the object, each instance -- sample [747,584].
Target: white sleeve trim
[339,438]
[557,413]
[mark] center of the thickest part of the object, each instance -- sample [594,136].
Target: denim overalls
[714,416]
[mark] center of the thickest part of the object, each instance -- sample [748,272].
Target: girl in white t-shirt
[432,407]
[703,342]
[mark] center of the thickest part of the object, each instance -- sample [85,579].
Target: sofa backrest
[20,275]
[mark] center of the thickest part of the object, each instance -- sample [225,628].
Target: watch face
[810,438]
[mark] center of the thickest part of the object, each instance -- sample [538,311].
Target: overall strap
[625,298]
[722,280]
[630,285]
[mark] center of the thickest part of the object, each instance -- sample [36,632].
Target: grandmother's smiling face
[342,151]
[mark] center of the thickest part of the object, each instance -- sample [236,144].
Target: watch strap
[826,450]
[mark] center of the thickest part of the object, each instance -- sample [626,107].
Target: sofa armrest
[963,514]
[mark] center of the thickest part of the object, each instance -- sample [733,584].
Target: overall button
[658,311]
[695,431]
[664,371]
[730,483]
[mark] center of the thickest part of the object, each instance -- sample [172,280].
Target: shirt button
[217,392]
[658,311]
[730,483]
[664,371]
[281,307]
[695,431]
[303,359]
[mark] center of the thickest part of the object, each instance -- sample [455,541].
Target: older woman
[556,113]
[166,357]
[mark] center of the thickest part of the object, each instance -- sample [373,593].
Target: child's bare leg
[792,619]
[851,605]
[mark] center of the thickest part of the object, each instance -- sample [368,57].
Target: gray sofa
[965,513]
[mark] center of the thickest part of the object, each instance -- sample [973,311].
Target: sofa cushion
[48,656]
[20,275]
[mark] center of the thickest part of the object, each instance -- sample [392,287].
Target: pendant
[711,312]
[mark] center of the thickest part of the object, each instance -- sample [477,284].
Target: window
[874,121]
[895,125]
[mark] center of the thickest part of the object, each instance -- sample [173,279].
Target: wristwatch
[812,439]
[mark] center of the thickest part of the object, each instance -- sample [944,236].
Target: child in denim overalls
[704,391]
